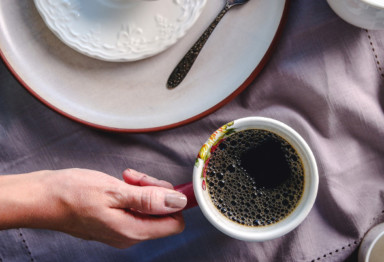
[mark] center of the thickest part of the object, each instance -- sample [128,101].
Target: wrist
[25,201]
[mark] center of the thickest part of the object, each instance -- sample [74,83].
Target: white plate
[119,30]
[132,96]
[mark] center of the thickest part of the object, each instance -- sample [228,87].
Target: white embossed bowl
[367,14]
[120,3]
[119,30]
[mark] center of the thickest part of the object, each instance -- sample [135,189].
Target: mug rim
[275,230]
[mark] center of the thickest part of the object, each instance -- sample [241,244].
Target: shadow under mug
[197,192]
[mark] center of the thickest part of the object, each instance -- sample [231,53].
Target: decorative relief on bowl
[117,35]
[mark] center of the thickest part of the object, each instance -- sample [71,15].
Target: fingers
[136,178]
[151,199]
[136,227]
[150,227]
[150,195]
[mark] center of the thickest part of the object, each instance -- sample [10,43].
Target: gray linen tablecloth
[325,79]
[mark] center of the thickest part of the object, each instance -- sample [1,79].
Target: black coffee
[255,177]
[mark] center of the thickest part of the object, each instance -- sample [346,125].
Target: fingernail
[175,200]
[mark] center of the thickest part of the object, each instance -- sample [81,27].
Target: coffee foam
[237,195]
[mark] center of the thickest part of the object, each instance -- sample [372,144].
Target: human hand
[92,205]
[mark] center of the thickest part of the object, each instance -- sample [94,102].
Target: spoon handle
[185,64]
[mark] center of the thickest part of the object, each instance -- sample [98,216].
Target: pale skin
[92,205]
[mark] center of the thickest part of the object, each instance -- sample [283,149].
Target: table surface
[325,79]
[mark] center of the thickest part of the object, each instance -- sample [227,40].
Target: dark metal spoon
[185,64]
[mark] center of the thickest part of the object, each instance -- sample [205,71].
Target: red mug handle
[187,190]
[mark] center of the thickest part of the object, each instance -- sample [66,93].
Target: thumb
[154,200]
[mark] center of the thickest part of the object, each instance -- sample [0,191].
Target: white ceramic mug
[367,14]
[234,229]
[372,246]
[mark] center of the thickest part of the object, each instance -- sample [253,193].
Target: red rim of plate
[240,89]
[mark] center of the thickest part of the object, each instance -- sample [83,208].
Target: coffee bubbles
[255,177]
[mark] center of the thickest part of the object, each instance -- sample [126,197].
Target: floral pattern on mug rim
[211,145]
